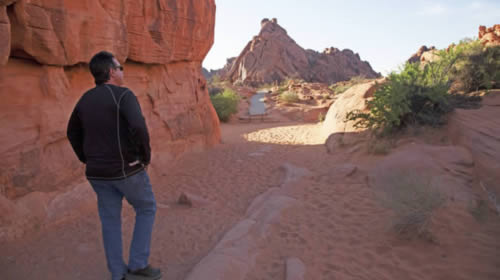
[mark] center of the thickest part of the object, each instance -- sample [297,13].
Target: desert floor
[268,203]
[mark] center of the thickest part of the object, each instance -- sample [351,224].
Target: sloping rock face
[490,36]
[273,56]
[353,99]
[478,131]
[44,49]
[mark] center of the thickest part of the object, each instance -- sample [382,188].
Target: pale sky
[384,32]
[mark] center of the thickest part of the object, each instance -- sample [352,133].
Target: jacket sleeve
[75,135]
[131,111]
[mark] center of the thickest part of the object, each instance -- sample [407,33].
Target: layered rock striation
[272,56]
[43,72]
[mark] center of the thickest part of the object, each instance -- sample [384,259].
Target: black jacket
[108,133]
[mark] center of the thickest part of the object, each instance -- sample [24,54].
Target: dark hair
[100,65]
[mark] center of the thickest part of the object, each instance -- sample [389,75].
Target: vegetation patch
[413,199]
[225,104]
[341,87]
[289,97]
[420,93]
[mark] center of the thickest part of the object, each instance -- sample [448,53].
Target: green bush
[419,94]
[478,68]
[416,95]
[225,104]
[289,97]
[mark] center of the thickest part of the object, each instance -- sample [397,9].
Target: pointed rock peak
[271,26]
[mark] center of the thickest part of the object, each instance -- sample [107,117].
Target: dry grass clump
[413,198]
[289,97]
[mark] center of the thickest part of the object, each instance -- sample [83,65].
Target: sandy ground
[332,222]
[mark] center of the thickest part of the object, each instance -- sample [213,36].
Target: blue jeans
[138,192]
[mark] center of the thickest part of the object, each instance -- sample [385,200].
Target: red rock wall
[43,54]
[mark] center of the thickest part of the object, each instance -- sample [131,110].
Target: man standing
[109,135]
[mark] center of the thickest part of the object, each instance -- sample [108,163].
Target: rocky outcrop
[423,54]
[68,32]
[43,52]
[490,36]
[273,56]
[353,99]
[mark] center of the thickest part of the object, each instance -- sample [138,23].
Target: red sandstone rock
[421,54]
[38,94]
[37,101]
[353,99]
[274,56]
[70,32]
[5,35]
[478,130]
[168,31]
[490,36]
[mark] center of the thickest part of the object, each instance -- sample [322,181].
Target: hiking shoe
[147,273]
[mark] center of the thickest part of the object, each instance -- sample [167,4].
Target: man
[109,135]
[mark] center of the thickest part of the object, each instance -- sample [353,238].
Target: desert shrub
[341,87]
[281,89]
[225,104]
[357,80]
[215,79]
[289,97]
[419,94]
[413,199]
[415,95]
[478,68]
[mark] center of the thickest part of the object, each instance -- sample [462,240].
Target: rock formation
[43,54]
[490,36]
[274,56]
[423,54]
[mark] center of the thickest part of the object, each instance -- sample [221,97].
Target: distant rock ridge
[273,56]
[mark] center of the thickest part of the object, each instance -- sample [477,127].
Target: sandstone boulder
[353,99]
[490,36]
[421,54]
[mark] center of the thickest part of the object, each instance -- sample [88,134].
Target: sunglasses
[119,67]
